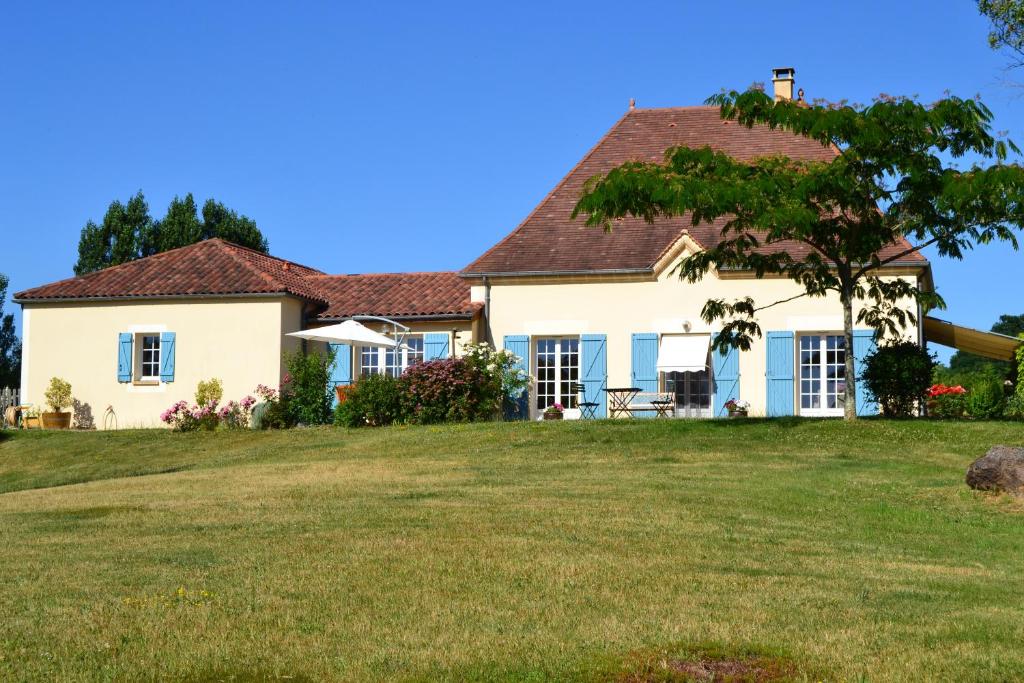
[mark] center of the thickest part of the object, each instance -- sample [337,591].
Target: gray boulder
[1001,469]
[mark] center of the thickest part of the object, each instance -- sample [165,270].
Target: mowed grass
[553,551]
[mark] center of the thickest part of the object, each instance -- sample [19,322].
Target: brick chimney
[783,79]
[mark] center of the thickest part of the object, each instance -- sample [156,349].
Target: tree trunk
[850,404]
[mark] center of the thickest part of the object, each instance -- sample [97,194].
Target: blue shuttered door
[167,346]
[779,375]
[341,371]
[726,366]
[519,344]
[863,345]
[124,357]
[645,365]
[435,346]
[645,361]
[594,353]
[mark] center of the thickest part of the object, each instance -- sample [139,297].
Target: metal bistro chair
[588,409]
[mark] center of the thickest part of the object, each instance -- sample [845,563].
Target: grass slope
[508,551]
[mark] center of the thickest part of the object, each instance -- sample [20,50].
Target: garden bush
[449,390]
[986,399]
[308,393]
[209,391]
[375,401]
[898,375]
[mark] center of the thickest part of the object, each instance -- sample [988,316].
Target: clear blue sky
[412,136]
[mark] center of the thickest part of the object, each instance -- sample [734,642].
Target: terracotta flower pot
[31,421]
[737,413]
[56,420]
[552,416]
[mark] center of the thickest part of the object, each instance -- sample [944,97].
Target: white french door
[558,373]
[822,374]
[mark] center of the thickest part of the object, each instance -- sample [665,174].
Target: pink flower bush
[184,418]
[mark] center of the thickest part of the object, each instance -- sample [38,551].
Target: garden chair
[588,409]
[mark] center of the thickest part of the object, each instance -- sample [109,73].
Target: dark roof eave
[536,273]
[18,299]
[418,316]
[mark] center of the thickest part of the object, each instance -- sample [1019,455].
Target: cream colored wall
[236,340]
[620,308]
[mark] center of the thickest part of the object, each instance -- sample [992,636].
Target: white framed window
[557,360]
[822,374]
[148,357]
[377,361]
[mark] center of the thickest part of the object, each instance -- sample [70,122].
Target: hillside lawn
[625,550]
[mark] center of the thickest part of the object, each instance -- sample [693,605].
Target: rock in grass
[1001,469]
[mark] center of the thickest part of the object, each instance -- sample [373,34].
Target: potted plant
[58,397]
[554,412]
[30,418]
[737,408]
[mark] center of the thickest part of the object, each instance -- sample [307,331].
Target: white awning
[348,332]
[683,352]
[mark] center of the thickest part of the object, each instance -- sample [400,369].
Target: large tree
[893,180]
[1006,30]
[129,232]
[10,346]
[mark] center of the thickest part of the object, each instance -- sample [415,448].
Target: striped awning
[988,344]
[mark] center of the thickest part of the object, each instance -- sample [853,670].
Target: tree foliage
[890,182]
[129,232]
[1006,30]
[10,345]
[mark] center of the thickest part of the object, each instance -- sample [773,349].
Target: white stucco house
[579,305]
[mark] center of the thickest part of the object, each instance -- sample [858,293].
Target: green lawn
[581,551]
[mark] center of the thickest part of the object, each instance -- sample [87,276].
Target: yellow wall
[621,306]
[236,340]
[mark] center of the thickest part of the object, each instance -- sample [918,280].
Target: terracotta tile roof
[211,267]
[549,241]
[216,267]
[396,294]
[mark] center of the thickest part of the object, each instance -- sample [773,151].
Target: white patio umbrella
[348,332]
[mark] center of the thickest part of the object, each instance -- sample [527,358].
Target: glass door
[822,374]
[558,373]
[692,391]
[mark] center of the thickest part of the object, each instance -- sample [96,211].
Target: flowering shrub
[507,381]
[237,414]
[471,387]
[179,417]
[946,401]
[733,405]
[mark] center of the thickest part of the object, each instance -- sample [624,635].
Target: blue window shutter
[167,356]
[436,345]
[341,371]
[124,357]
[645,361]
[779,375]
[726,367]
[519,344]
[863,345]
[595,371]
